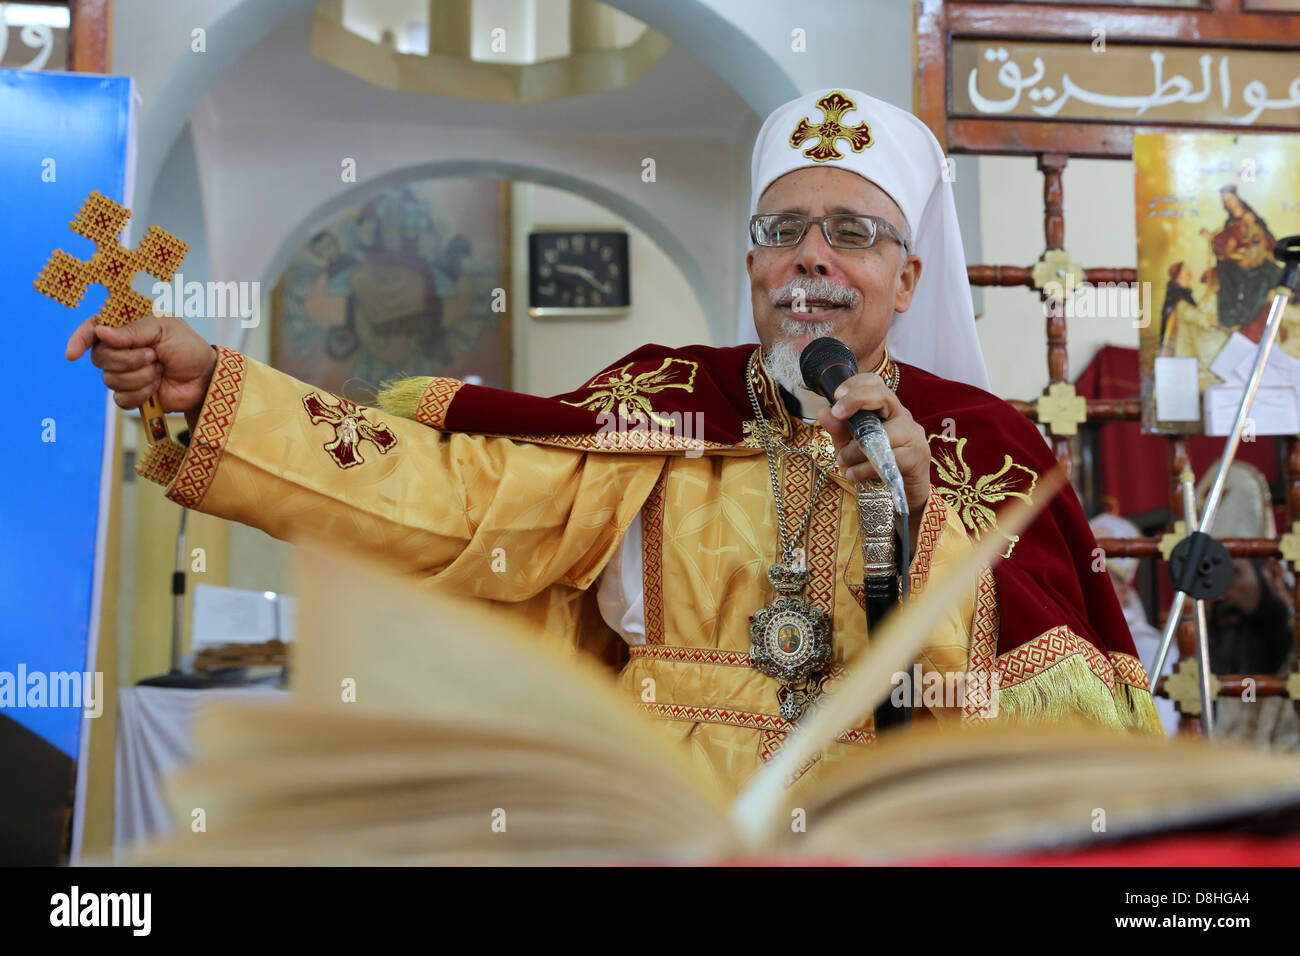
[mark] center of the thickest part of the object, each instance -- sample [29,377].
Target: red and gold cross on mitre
[66,278]
[350,428]
[833,106]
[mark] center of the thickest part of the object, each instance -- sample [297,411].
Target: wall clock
[578,272]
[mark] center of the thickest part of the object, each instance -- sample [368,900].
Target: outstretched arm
[483,516]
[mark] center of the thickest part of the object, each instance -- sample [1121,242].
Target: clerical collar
[792,404]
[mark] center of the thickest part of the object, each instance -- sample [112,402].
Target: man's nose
[814,255]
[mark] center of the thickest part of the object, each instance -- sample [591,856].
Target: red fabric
[1255,331]
[1189,850]
[1182,850]
[1135,467]
[1048,579]
[717,390]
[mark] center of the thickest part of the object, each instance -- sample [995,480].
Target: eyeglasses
[783,230]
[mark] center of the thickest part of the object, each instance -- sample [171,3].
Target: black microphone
[826,364]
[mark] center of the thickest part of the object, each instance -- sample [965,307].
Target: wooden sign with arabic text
[1083,78]
[1126,83]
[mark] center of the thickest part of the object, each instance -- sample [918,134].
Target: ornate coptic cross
[350,428]
[66,278]
[833,106]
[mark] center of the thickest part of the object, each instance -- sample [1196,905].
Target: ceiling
[278,78]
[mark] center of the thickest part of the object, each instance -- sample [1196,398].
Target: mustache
[815,289]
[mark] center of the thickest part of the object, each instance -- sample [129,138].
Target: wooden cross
[1062,409]
[1183,687]
[1289,545]
[66,278]
[1171,539]
[833,106]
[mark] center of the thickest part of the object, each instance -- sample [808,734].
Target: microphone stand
[1200,565]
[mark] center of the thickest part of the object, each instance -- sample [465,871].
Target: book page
[1019,788]
[424,729]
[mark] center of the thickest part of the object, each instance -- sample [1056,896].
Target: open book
[422,732]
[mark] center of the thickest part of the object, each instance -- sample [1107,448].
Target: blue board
[61,136]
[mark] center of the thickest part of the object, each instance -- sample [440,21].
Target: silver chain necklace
[790,639]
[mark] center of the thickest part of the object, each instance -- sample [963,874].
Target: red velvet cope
[996,457]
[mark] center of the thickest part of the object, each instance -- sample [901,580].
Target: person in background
[1252,632]
[1123,575]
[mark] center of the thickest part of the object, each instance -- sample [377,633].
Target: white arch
[691,24]
[169,108]
[636,214]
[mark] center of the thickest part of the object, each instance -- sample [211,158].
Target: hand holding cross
[154,363]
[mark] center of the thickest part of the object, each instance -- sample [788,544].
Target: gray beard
[782,359]
[782,363]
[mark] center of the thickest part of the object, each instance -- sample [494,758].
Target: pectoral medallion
[790,639]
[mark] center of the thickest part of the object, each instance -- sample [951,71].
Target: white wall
[174,208]
[865,44]
[263,183]
[1100,230]
[554,355]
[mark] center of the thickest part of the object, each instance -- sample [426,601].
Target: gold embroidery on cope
[765,391]
[972,496]
[350,429]
[833,106]
[436,399]
[627,392]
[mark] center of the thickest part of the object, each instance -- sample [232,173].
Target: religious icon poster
[410,281]
[1210,208]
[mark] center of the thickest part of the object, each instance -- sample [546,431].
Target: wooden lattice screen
[947,31]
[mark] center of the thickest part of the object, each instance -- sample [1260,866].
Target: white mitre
[896,151]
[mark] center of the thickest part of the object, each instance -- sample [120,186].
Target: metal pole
[1280,300]
[1185,481]
[178,593]
[1171,625]
[1202,631]
[1203,665]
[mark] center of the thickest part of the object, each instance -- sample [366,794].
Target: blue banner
[61,136]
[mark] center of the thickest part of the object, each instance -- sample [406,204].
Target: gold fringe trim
[1067,691]
[1140,708]
[402,396]
[1071,691]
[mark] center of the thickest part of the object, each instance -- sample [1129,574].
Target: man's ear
[909,274]
[749,263]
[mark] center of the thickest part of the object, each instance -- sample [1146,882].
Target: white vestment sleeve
[620,594]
